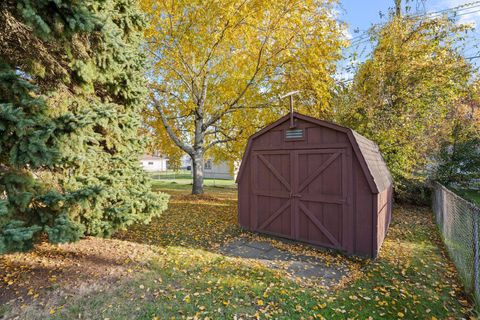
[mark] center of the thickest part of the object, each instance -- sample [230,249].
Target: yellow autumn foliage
[218,67]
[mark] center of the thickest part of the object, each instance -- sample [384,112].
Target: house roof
[368,154]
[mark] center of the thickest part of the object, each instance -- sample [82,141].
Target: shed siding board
[349,226]
[374,213]
[274,139]
[384,214]
[244,208]
[390,206]
[382,218]
[362,206]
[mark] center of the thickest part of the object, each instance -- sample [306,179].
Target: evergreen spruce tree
[71,91]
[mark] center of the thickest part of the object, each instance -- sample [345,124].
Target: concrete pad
[277,254]
[265,246]
[296,266]
[242,250]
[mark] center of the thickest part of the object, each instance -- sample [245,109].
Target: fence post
[475,253]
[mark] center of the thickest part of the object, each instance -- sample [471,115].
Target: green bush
[413,191]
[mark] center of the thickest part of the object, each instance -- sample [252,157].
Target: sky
[361,14]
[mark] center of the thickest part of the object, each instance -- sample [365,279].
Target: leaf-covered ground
[172,269]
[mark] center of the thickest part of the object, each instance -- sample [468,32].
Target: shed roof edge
[351,134]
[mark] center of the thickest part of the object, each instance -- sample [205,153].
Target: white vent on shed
[294,134]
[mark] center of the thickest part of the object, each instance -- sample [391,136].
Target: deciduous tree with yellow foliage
[218,65]
[402,95]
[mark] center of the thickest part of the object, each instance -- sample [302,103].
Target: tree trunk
[398,8]
[197,170]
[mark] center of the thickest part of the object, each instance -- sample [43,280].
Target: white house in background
[211,169]
[185,162]
[216,170]
[154,163]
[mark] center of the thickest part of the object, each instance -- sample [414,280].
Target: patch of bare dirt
[51,271]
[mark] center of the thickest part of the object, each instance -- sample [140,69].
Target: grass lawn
[186,184]
[170,174]
[172,269]
[183,180]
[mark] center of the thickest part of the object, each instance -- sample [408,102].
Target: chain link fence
[184,177]
[458,221]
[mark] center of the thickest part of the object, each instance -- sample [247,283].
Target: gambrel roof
[374,160]
[367,152]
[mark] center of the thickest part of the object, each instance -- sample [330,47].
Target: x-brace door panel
[272,187]
[322,196]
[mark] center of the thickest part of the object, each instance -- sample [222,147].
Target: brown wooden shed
[315,182]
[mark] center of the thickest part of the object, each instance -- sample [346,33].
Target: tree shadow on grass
[202,222]
[33,275]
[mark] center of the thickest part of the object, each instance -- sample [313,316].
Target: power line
[363,35]
[471,58]
[458,11]
[366,39]
[362,38]
[469,49]
[346,81]
[465,6]
[466,13]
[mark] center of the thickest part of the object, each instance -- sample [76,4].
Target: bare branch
[226,111]
[203,94]
[222,34]
[226,137]
[169,129]
[214,143]
[220,114]
[178,73]
[258,106]
[231,105]
[215,45]
[187,66]
[180,116]
[252,78]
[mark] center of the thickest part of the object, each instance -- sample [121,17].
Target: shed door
[321,197]
[272,174]
[301,194]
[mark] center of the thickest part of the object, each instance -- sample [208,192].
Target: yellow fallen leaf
[463,302]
